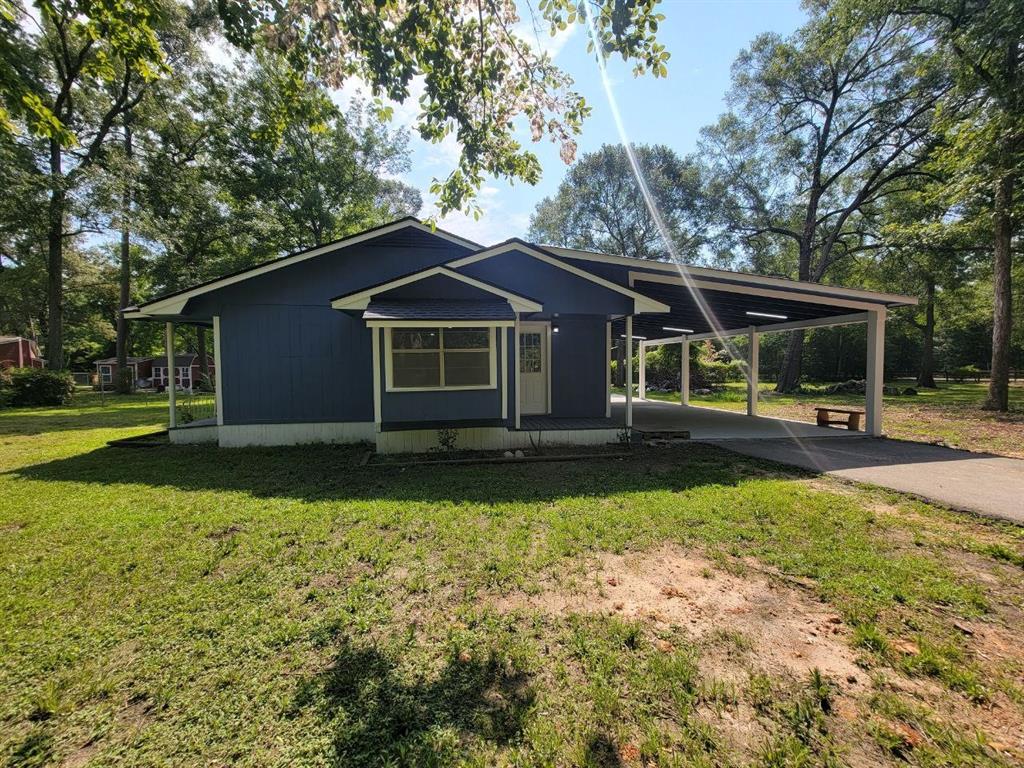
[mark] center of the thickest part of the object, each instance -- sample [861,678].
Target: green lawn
[950,414]
[189,605]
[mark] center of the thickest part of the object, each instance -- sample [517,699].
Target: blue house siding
[286,364]
[578,362]
[559,291]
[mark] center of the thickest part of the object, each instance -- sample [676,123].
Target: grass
[189,605]
[951,414]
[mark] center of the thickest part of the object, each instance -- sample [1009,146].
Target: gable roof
[361,299]
[641,303]
[174,303]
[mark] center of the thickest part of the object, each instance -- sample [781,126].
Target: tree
[825,124]
[599,205]
[478,76]
[323,175]
[983,41]
[932,243]
[82,66]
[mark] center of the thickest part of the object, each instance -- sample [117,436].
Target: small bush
[38,386]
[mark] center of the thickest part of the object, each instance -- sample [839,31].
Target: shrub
[38,386]
[5,386]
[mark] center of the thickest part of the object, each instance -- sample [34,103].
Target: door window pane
[530,353]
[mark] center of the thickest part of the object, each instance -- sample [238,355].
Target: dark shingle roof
[438,309]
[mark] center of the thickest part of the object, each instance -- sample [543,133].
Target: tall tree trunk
[926,376]
[123,384]
[999,384]
[789,376]
[55,261]
[204,363]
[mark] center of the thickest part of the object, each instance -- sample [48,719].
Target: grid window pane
[530,354]
[416,369]
[467,369]
[415,338]
[466,338]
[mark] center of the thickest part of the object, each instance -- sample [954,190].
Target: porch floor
[715,424]
[544,422]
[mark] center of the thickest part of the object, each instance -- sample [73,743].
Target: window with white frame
[105,374]
[158,375]
[441,358]
[185,376]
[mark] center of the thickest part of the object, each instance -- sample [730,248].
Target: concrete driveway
[975,482]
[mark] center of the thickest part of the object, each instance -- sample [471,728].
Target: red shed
[19,352]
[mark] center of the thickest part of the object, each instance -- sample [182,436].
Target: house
[19,352]
[395,333]
[141,368]
[188,372]
[152,371]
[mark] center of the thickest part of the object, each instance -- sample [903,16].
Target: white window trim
[106,374]
[492,368]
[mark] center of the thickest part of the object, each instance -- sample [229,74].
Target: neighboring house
[106,370]
[152,371]
[19,352]
[393,334]
[187,371]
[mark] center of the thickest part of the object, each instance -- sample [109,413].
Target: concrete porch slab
[714,424]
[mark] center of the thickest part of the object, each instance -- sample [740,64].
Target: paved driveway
[976,482]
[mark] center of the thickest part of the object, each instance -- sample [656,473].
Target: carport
[719,304]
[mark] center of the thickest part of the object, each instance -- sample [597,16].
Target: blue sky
[703,37]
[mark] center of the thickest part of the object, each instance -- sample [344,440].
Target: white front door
[533,368]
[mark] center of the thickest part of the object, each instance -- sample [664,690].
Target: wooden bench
[849,417]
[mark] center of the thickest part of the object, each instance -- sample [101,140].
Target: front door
[533,368]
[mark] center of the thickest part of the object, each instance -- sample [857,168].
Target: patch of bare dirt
[778,628]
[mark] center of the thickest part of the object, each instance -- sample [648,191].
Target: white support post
[218,375]
[629,371]
[518,396]
[172,417]
[608,370]
[684,374]
[504,373]
[642,372]
[753,362]
[876,368]
[376,378]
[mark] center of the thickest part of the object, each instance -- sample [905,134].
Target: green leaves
[477,77]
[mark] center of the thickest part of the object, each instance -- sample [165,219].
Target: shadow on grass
[327,473]
[383,714]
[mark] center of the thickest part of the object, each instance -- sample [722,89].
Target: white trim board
[725,274]
[770,293]
[794,325]
[174,305]
[641,303]
[361,299]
